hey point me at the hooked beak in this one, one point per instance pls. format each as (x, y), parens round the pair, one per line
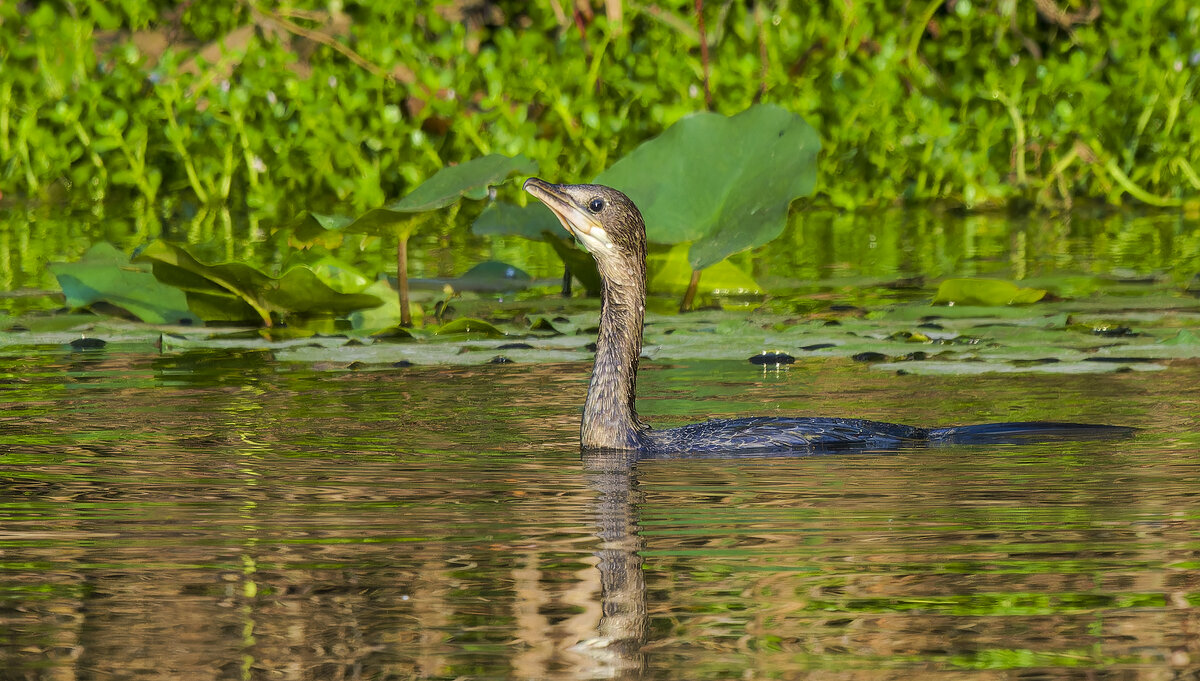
(574, 218)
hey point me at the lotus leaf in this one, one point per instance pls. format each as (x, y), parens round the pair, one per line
(221, 291)
(471, 180)
(670, 272)
(532, 221)
(493, 276)
(536, 222)
(985, 292)
(106, 275)
(723, 184)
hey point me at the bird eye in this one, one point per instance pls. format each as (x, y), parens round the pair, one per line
(596, 205)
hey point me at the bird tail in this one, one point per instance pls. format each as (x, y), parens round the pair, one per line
(1026, 432)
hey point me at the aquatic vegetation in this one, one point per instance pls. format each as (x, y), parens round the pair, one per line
(984, 292)
(399, 219)
(105, 275)
(236, 292)
(256, 105)
(722, 184)
(1140, 326)
(718, 185)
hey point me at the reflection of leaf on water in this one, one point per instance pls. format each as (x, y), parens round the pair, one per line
(670, 272)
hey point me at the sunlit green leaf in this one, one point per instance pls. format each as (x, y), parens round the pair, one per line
(985, 292)
(384, 316)
(668, 271)
(339, 275)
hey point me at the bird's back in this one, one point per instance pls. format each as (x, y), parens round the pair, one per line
(765, 433)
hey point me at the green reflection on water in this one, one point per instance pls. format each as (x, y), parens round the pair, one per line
(817, 245)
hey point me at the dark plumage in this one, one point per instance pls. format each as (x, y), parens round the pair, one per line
(610, 226)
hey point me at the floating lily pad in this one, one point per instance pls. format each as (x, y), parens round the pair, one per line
(973, 368)
(468, 325)
(105, 275)
(723, 184)
(1184, 338)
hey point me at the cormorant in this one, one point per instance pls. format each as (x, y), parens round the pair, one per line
(611, 228)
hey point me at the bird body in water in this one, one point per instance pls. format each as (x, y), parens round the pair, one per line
(611, 228)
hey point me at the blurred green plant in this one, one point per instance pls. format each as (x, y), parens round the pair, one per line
(307, 104)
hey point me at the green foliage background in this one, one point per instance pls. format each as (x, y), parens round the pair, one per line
(309, 104)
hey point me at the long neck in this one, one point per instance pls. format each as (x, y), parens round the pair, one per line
(609, 415)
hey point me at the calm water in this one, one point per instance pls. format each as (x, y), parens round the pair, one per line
(223, 516)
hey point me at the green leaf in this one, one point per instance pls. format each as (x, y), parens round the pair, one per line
(470, 179)
(223, 291)
(670, 272)
(991, 292)
(385, 316)
(339, 275)
(493, 275)
(536, 222)
(533, 221)
(469, 325)
(1184, 337)
(106, 275)
(724, 184)
(311, 227)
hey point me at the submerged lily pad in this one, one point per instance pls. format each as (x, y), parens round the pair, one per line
(105, 275)
(723, 184)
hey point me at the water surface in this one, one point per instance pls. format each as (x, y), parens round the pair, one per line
(220, 515)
